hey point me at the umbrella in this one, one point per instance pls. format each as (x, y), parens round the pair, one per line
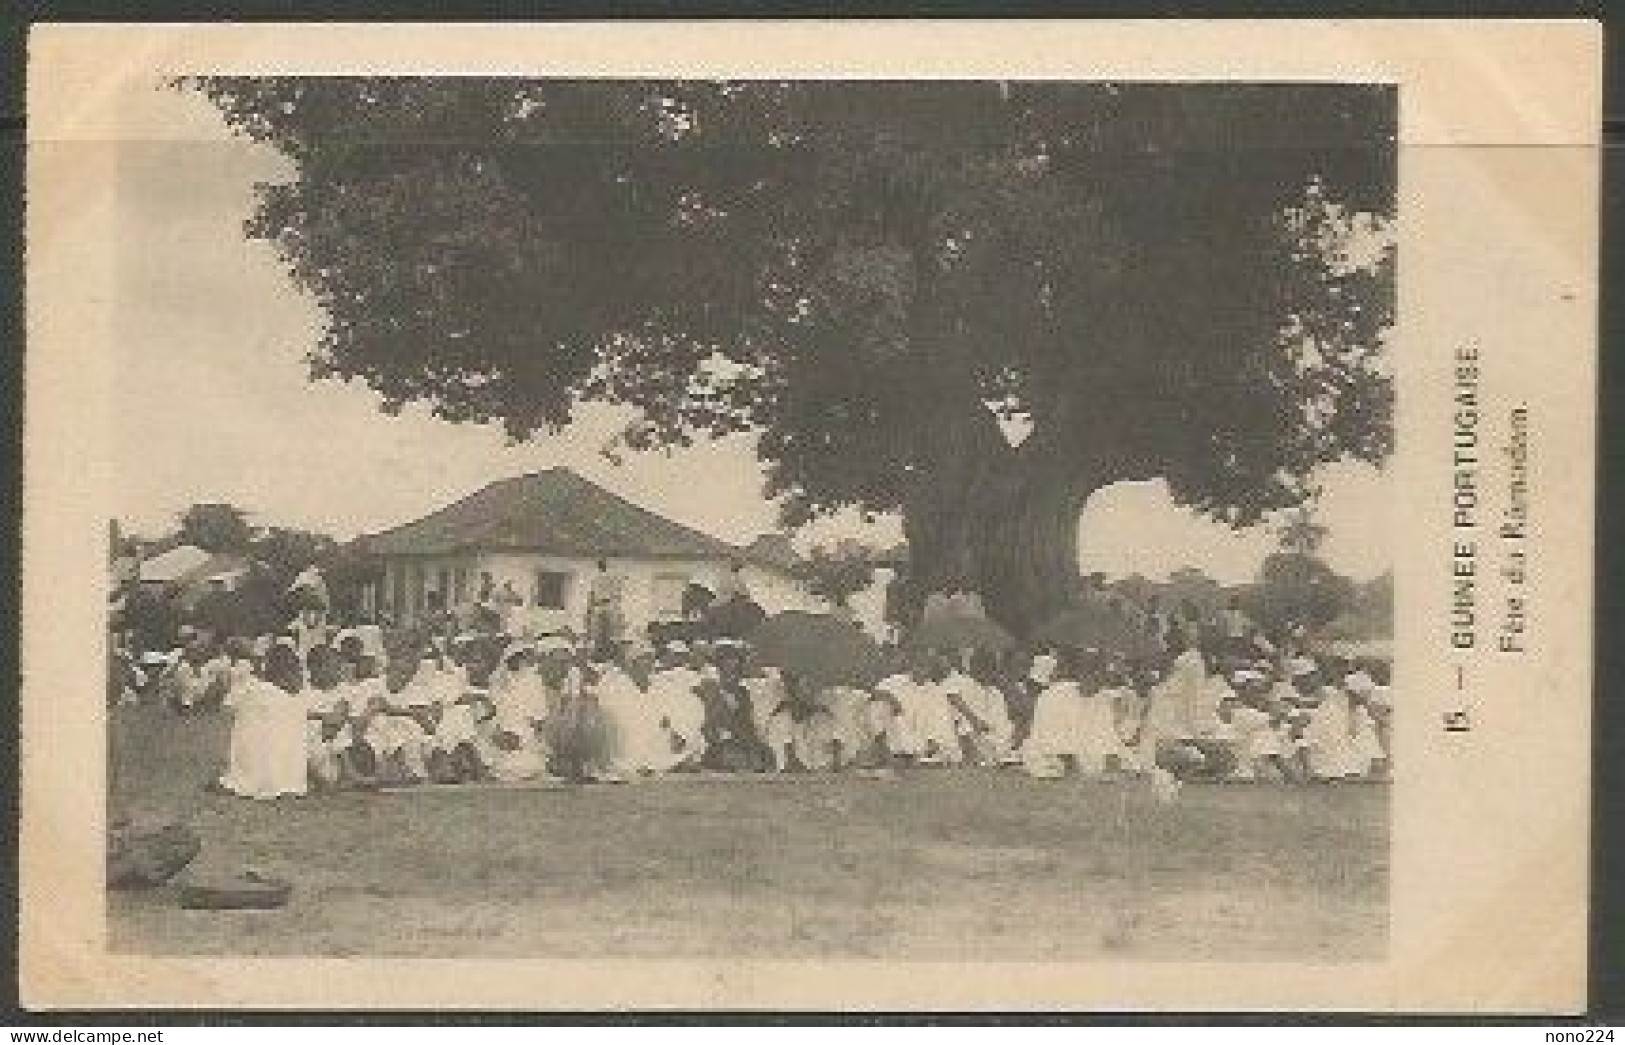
(1094, 626)
(1358, 649)
(961, 632)
(734, 619)
(822, 650)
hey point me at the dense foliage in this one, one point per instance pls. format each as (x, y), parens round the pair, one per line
(1190, 282)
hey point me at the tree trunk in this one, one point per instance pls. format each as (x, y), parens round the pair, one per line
(1008, 528)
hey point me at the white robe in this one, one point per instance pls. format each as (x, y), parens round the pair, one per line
(1336, 737)
(518, 703)
(390, 731)
(674, 691)
(857, 719)
(926, 718)
(323, 702)
(987, 704)
(1066, 721)
(636, 740)
(1172, 710)
(267, 752)
(1257, 738)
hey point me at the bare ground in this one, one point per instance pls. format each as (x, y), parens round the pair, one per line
(940, 864)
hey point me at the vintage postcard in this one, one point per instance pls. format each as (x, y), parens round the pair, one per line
(937, 516)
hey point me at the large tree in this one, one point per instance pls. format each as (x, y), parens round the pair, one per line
(1185, 282)
(216, 527)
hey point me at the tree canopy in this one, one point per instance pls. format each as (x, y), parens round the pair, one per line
(1187, 282)
(216, 527)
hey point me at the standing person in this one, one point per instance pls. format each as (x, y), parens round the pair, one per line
(1021, 696)
(509, 604)
(1380, 705)
(308, 629)
(182, 682)
(732, 585)
(124, 678)
(487, 616)
(266, 758)
(605, 624)
(1369, 749)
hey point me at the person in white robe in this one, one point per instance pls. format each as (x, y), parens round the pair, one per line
(982, 718)
(857, 726)
(1074, 718)
(1380, 703)
(924, 727)
(327, 716)
(398, 731)
(1127, 705)
(366, 696)
(1332, 748)
(1261, 748)
(674, 687)
(512, 743)
(1171, 709)
(181, 682)
(266, 758)
(309, 629)
(769, 699)
(1369, 746)
(637, 744)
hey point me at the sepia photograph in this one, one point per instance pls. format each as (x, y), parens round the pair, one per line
(855, 516)
(716, 518)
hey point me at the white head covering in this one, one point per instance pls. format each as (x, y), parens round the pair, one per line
(1043, 668)
(676, 646)
(1245, 676)
(1297, 667)
(1359, 682)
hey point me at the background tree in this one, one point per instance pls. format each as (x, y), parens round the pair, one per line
(1301, 533)
(286, 552)
(216, 527)
(1185, 282)
(837, 572)
(1297, 590)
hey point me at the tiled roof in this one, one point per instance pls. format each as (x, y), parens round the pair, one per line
(553, 512)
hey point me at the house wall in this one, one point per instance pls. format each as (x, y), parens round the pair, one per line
(775, 591)
(652, 586)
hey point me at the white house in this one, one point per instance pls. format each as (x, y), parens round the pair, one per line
(544, 534)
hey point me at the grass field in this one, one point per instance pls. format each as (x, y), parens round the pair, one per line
(940, 864)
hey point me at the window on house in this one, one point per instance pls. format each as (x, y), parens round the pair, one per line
(666, 598)
(460, 585)
(550, 590)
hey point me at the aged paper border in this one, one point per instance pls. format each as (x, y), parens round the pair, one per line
(1499, 128)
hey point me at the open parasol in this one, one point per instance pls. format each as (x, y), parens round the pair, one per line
(734, 619)
(820, 649)
(961, 632)
(1097, 626)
